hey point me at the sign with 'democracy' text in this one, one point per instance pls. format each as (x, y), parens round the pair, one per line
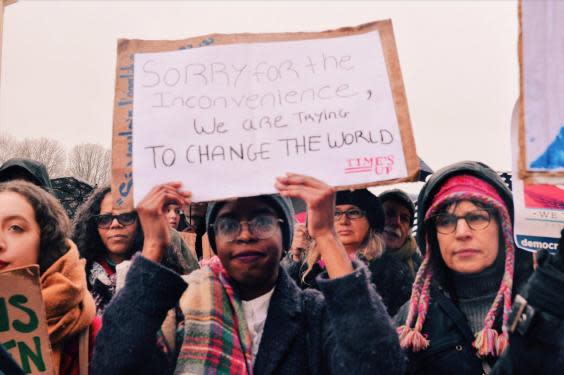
(226, 119)
(23, 322)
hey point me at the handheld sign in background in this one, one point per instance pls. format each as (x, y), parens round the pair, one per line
(226, 120)
(23, 322)
(539, 207)
(541, 63)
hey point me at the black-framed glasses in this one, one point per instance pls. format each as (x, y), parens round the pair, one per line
(351, 214)
(476, 220)
(261, 227)
(104, 221)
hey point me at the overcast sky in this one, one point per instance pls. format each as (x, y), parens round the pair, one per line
(459, 62)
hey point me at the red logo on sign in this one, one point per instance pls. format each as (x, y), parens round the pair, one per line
(379, 165)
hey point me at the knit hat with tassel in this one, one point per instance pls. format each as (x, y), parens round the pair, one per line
(488, 341)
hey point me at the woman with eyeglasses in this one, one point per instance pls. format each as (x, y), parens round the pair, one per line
(34, 229)
(457, 317)
(242, 314)
(359, 221)
(106, 237)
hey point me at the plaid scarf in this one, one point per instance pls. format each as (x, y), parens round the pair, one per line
(216, 337)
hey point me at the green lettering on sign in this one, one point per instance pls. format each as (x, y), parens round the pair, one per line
(4, 322)
(18, 302)
(36, 357)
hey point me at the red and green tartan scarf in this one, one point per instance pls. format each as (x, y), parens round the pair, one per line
(216, 338)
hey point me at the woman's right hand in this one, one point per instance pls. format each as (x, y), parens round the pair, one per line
(152, 216)
(320, 201)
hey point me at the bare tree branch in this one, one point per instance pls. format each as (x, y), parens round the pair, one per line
(90, 162)
(44, 150)
(8, 147)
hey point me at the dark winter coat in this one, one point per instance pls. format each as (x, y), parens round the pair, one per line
(7, 364)
(450, 337)
(296, 271)
(539, 351)
(393, 279)
(344, 329)
(446, 327)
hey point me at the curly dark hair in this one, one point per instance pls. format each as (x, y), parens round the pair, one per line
(49, 215)
(85, 231)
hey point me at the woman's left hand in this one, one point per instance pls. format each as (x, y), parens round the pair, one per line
(320, 200)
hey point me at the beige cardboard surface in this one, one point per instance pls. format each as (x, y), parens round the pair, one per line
(23, 322)
(525, 173)
(122, 178)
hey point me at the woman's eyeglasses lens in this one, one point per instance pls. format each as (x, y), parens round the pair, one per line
(105, 220)
(261, 226)
(476, 220)
(351, 214)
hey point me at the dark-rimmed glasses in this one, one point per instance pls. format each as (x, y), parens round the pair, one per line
(261, 227)
(104, 221)
(476, 220)
(351, 214)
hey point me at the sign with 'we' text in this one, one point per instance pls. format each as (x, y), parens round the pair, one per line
(226, 119)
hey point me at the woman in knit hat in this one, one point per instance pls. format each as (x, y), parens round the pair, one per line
(359, 221)
(242, 314)
(456, 319)
(34, 229)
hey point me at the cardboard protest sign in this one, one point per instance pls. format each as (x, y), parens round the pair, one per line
(539, 207)
(228, 118)
(541, 62)
(23, 322)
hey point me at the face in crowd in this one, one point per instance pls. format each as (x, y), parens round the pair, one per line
(468, 237)
(19, 232)
(173, 212)
(397, 224)
(33, 226)
(116, 229)
(351, 225)
(249, 244)
(196, 216)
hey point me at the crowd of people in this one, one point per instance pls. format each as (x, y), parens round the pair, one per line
(240, 287)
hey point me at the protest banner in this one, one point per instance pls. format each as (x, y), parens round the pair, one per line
(23, 322)
(226, 119)
(539, 207)
(541, 63)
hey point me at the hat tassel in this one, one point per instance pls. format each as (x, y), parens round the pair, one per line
(501, 343)
(410, 338)
(486, 341)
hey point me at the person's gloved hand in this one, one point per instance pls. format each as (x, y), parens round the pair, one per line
(557, 260)
(545, 289)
